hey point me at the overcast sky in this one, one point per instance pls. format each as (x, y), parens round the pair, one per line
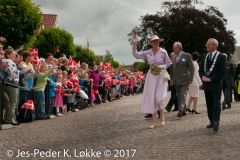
(106, 23)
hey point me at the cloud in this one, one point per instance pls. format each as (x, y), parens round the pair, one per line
(106, 23)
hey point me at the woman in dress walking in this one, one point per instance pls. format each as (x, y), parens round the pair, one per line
(155, 88)
(194, 87)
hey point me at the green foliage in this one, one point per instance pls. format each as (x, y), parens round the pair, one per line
(109, 58)
(20, 20)
(114, 64)
(48, 40)
(85, 55)
(141, 66)
(123, 67)
(186, 21)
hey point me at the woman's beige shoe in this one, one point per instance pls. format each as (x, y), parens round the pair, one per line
(152, 126)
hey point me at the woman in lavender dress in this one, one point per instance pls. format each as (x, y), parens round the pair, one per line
(155, 89)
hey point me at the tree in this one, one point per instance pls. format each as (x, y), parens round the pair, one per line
(85, 55)
(123, 67)
(183, 21)
(48, 40)
(20, 20)
(109, 58)
(141, 66)
(115, 64)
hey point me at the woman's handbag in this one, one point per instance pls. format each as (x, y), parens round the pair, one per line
(166, 75)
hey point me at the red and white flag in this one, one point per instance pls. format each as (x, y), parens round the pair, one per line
(72, 63)
(36, 60)
(108, 64)
(34, 51)
(57, 49)
(88, 45)
(28, 105)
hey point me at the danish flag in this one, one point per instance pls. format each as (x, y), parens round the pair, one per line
(73, 74)
(69, 83)
(58, 49)
(36, 59)
(28, 105)
(60, 91)
(72, 63)
(34, 51)
(76, 88)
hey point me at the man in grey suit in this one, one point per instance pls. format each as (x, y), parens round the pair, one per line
(227, 84)
(181, 74)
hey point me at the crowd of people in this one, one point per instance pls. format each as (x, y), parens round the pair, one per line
(214, 75)
(26, 77)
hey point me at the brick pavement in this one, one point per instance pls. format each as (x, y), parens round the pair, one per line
(119, 125)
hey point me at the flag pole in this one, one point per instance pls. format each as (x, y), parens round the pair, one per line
(87, 45)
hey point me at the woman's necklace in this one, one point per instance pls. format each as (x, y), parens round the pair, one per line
(213, 64)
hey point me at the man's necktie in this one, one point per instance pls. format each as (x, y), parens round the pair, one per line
(177, 58)
(210, 59)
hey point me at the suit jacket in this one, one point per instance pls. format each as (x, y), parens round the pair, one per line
(228, 75)
(237, 72)
(217, 73)
(183, 70)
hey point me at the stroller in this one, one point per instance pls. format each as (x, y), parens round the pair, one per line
(81, 100)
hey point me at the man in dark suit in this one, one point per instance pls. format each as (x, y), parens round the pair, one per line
(236, 80)
(211, 71)
(181, 74)
(173, 100)
(227, 84)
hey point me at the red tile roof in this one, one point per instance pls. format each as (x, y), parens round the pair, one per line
(49, 20)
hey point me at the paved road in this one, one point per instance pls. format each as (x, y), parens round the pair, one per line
(121, 129)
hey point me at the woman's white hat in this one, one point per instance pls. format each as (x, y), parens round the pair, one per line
(154, 37)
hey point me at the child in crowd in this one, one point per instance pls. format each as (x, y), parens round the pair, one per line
(127, 86)
(39, 90)
(113, 87)
(51, 93)
(131, 85)
(65, 98)
(96, 76)
(74, 87)
(104, 91)
(3, 75)
(108, 88)
(58, 100)
(55, 61)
